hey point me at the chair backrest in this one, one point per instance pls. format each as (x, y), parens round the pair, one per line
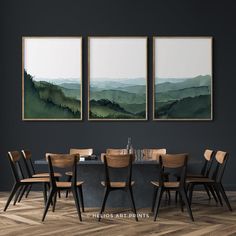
(28, 162)
(82, 152)
(153, 154)
(221, 159)
(116, 151)
(62, 161)
(175, 162)
(206, 168)
(14, 158)
(119, 162)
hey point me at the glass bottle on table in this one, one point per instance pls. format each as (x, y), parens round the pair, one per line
(129, 147)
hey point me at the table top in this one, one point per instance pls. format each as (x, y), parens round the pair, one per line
(99, 162)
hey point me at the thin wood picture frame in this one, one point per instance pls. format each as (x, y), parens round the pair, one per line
(56, 83)
(111, 41)
(206, 92)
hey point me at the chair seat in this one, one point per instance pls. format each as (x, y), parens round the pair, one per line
(117, 184)
(42, 175)
(69, 173)
(195, 176)
(199, 180)
(64, 184)
(167, 184)
(35, 180)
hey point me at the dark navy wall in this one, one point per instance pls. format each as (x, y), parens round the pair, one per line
(124, 17)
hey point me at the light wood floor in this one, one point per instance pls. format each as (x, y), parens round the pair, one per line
(25, 219)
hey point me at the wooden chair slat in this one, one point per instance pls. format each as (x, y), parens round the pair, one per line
(208, 154)
(220, 156)
(26, 154)
(118, 161)
(173, 160)
(14, 155)
(82, 151)
(153, 154)
(62, 160)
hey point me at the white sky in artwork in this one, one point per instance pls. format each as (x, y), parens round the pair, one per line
(182, 58)
(53, 58)
(118, 58)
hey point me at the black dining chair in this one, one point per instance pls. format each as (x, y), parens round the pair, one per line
(204, 173)
(31, 173)
(63, 161)
(19, 180)
(215, 182)
(176, 163)
(112, 163)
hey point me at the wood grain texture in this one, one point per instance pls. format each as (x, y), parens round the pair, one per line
(25, 219)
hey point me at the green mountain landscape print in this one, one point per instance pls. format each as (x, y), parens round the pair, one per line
(183, 98)
(52, 78)
(118, 78)
(119, 99)
(51, 99)
(183, 78)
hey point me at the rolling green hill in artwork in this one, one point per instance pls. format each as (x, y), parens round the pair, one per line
(182, 93)
(187, 99)
(118, 96)
(198, 107)
(110, 110)
(130, 98)
(138, 89)
(198, 81)
(72, 86)
(43, 100)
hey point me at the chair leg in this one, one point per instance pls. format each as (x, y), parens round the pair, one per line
(169, 197)
(221, 188)
(49, 200)
(181, 203)
(176, 197)
(106, 193)
(13, 192)
(45, 193)
(54, 202)
(68, 180)
(154, 198)
(191, 187)
(186, 201)
(28, 191)
(216, 189)
(81, 197)
(132, 201)
(158, 199)
(213, 192)
(22, 192)
(17, 195)
(76, 198)
(207, 191)
(59, 192)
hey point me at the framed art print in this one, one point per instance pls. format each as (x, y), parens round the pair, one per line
(117, 78)
(52, 78)
(182, 78)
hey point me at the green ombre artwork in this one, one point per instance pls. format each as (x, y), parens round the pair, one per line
(182, 78)
(117, 78)
(52, 78)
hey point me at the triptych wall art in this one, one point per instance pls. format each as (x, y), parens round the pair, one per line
(117, 78)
